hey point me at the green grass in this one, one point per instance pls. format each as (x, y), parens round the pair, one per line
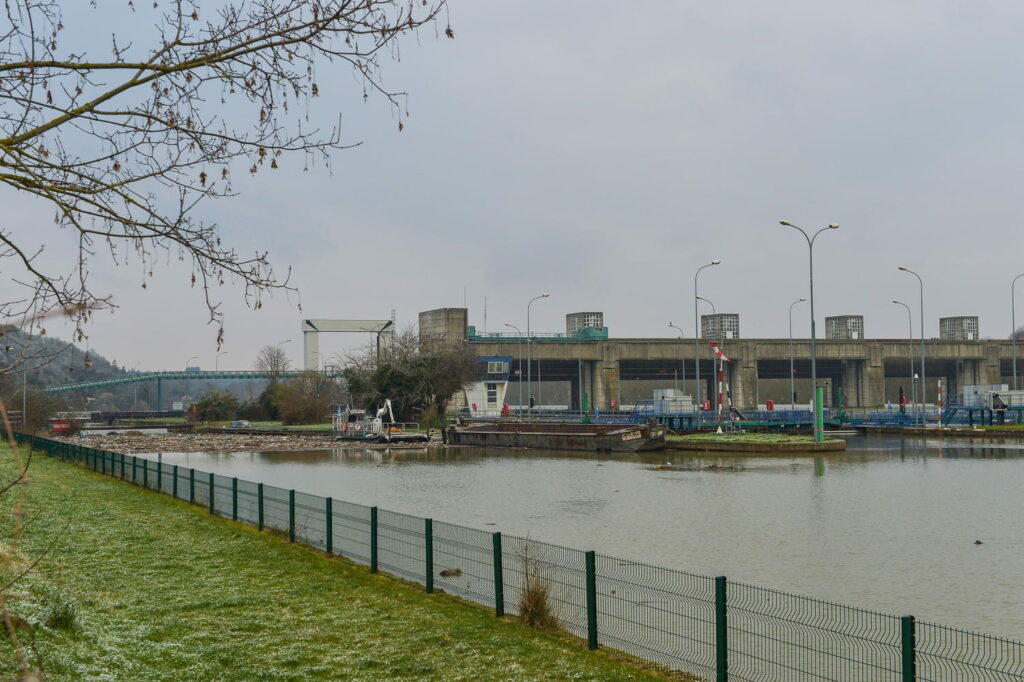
(742, 438)
(142, 587)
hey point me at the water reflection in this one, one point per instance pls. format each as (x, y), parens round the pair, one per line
(889, 525)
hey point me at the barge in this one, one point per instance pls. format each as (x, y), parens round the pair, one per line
(559, 436)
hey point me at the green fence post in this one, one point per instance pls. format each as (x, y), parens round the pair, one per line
(234, 498)
(291, 516)
(213, 508)
(721, 631)
(908, 640)
(259, 506)
(135, 465)
(159, 476)
(145, 473)
(329, 524)
(373, 539)
(428, 546)
(591, 600)
(122, 466)
(174, 484)
(191, 486)
(499, 581)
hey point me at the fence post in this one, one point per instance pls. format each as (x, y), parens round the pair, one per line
(234, 498)
(135, 468)
(908, 640)
(122, 466)
(721, 631)
(373, 539)
(291, 516)
(145, 473)
(428, 560)
(591, 600)
(499, 581)
(191, 486)
(329, 524)
(174, 485)
(259, 506)
(212, 496)
(159, 476)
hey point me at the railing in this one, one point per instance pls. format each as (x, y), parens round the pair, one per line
(702, 625)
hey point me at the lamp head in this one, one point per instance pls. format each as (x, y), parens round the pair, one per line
(902, 268)
(544, 295)
(833, 226)
(786, 223)
(895, 301)
(802, 298)
(715, 262)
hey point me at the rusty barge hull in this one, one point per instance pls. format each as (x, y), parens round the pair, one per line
(560, 436)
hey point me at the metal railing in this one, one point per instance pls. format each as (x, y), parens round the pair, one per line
(702, 625)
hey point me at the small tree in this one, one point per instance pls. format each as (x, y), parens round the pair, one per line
(308, 398)
(217, 406)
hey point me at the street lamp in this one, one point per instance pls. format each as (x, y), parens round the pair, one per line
(714, 361)
(519, 379)
(681, 360)
(529, 358)
(194, 357)
(818, 435)
(696, 339)
(216, 361)
(792, 389)
(1013, 323)
(924, 384)
(910, 349)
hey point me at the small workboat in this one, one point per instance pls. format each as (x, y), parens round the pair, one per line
(559, 436)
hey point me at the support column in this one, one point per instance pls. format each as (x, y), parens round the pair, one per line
(991, 368)
(872, 388)
(606, 388)
(744, 378)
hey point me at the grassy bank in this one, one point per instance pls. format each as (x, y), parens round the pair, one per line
(140, 586)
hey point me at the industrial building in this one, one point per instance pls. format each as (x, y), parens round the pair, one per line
(574, 322)
(720, 326)
(959, 328)
(844, 327)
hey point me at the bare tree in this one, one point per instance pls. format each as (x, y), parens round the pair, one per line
(124, 146)
(272, 361)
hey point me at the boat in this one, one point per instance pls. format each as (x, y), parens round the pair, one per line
(559, 436)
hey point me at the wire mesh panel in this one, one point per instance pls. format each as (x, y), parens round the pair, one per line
(183, 483)
(275, 508)
(310, 520)
(401, 548)
(248, 502)
(202, 490)
(774, 635)
(133, 469)
(463, 562)
(657, 614)
(350, 527)
(537, 572)
(166, 478)
(222, 497)
(945, 653)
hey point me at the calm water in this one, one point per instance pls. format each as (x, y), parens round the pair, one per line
(891, 525)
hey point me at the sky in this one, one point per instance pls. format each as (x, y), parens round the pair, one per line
(603, 152)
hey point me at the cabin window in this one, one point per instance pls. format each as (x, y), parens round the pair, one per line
(497, 367)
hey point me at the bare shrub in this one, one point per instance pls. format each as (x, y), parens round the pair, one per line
(536, 606)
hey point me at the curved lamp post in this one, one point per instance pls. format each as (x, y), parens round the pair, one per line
(681, 360)
(519, 379)
(924, 385)
(910, 347)
(696, 340)
(1013, 323)
(529, 358)
(792, 389)
(818, 436)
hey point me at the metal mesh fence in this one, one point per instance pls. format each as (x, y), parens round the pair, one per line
(945, 653)
(774, 635)
(657, 614)
(697, 624)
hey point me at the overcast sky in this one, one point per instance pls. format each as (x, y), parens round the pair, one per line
(603, 151)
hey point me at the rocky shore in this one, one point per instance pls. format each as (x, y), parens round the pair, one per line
(135, 442)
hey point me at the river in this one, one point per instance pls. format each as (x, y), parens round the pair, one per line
(891, 525)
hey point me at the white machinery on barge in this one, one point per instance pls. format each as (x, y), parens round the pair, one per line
(357, 425)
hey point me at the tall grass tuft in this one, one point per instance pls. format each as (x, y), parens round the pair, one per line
(536, 607)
